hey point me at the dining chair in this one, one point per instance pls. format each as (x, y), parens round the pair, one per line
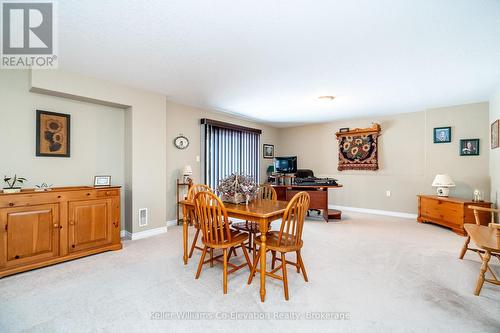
(216, 233)
(267, 192)
(287, 239)
(487, 239)
(193, 190)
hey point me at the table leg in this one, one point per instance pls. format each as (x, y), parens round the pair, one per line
(185, 234)
(263, 229)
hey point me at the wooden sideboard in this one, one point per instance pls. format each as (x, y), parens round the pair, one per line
(43, 228)
(450, 212)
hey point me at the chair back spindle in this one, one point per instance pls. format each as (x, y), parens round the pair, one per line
(267, 192)
(212, 216)
(290, 233)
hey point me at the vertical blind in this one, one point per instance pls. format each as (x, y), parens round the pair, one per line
(229, 149)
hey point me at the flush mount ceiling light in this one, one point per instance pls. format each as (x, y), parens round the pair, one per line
(326, 98)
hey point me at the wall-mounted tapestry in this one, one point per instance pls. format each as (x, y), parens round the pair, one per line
(358, 148)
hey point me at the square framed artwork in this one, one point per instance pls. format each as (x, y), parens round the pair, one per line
(442, 134)
(53, 132)
(344, 129)
(495, 134)
(469, 147)
(268, 151)
(102, 181)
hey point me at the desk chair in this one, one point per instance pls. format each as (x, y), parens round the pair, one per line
(287, 239)
(214, 224)
(306, 173)
(487, 239)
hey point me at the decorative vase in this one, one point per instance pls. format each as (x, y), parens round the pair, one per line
(12, 190)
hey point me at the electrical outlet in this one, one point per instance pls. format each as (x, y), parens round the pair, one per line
(388, 193)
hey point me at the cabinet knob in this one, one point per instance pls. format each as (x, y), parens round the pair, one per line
(56, 225)
(11, 204)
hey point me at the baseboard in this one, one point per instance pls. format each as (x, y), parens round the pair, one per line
(143, 234)
(147, 233)
(375, 211)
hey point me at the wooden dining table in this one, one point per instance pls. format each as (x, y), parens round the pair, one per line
(261, 211)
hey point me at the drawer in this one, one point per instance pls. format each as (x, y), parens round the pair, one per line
(107, 193)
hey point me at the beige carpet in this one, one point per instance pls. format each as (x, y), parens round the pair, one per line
(379, 274)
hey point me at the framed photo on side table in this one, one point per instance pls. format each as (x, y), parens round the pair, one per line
(268, 151)
(495, 134)
(102, 181)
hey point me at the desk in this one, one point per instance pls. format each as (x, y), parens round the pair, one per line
(260, 211)
(318, 194)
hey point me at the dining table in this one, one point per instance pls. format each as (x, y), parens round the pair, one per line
(261, 211)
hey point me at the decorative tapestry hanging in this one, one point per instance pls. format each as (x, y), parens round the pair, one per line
(358, 148)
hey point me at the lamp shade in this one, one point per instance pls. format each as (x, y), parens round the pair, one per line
(443, 181)
(187, 171)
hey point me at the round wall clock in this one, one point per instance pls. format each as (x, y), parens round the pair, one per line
(181, 142)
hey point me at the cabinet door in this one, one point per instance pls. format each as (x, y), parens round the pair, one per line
(90, 224)
(28, 234)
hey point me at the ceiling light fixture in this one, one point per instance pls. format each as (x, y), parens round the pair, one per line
(329, 98)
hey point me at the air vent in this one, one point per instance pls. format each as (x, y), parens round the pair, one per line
(143, 217)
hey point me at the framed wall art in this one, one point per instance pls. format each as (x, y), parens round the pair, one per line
(442, 135)
(469, 147)
(52, 134)
(495, 131)
(268, 151)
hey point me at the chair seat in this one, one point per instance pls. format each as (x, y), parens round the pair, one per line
(287, 242)
(483, 236)
(236, 238)
(247, 226)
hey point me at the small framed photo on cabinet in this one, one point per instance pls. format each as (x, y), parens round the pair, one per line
(102, 181)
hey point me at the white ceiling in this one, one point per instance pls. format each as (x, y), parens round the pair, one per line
(270, 60)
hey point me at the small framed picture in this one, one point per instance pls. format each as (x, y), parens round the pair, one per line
(52, 134)
(268, 151)
(442, 134)
(495, 131)
(102, 181)
(469, 147)
(344, 129)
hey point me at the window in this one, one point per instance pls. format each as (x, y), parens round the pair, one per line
(229, 149)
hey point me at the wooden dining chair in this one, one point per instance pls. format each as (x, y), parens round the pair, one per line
(267, 192)
(193, 190)
(287, 239)
(487, 239)
(216, 233)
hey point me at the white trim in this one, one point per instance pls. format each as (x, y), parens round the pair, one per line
(171, 223)
(143, 234)
(375, 211)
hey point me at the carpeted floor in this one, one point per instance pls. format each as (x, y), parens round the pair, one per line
(367, 274)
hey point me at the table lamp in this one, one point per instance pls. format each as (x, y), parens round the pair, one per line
(187, 172)
(443, 184)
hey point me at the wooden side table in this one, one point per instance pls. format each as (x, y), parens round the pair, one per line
(179, 187)
(450, 212)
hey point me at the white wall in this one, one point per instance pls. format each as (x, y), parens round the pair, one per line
(145, 128)
(97, 137)
(495, 153)
(408, 159)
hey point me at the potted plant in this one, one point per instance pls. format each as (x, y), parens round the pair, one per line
(11, 182)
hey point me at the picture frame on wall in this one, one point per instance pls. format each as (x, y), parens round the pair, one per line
(102, 181)
(268, 151)
(442, 134)
(53, 134)
(344, 130)
(495, 134)
(469, 147)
